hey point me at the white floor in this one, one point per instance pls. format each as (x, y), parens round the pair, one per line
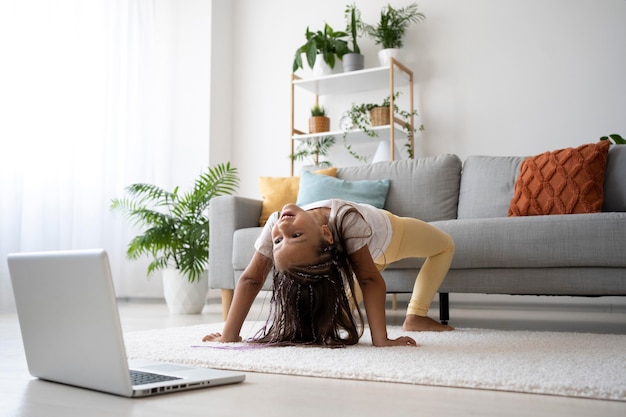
(276, 395)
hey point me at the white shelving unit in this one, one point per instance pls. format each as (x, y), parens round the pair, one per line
(394, 76)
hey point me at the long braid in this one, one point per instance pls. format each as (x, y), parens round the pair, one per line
(325, 317)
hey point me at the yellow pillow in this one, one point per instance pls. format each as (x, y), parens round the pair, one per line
(278, 191)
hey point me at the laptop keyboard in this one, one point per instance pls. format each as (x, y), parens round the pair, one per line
(142, 378)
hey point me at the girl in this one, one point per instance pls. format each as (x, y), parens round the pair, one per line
(315, 252)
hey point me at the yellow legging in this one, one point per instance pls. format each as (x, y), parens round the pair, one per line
(413, 238)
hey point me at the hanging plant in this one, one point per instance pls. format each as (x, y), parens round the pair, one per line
(359, 118)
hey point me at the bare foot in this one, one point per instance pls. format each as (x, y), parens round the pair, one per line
(217, 337)
(213, 337)
(414, 323)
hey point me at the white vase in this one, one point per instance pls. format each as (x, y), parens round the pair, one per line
(322, 69)
(384, 56)
(182, 296)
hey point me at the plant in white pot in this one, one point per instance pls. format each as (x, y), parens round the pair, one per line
(390, 30)
(354, 59)
(176, 233)
(322, 50)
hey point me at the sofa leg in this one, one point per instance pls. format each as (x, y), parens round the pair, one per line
(227, 299)
(444, 307)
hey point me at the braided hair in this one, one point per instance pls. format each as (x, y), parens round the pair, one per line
(310, 303)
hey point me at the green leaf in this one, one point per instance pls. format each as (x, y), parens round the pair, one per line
(176, 226)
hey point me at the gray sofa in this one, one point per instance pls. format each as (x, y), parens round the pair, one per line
(573, 254)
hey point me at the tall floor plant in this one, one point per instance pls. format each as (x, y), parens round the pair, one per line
(175, 224)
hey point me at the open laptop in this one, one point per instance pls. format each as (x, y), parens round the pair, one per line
(72, 334)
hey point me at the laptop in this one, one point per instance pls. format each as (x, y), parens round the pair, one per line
(72, 334)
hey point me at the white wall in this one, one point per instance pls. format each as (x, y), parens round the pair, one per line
(493, 77)
(221, 81)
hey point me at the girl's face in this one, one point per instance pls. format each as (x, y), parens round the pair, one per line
(297, 236)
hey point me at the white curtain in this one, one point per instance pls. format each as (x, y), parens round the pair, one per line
(83, 113)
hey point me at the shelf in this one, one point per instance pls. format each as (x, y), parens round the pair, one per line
(355, 136)
(389, 77)
(353, 82)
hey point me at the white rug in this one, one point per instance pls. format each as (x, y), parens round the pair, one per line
(567, 364)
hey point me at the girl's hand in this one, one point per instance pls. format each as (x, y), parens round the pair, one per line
(401, 341)
(217, 337)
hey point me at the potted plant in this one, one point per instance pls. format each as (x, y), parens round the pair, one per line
(314, 148)
(176, 233)
(615, 139)
(366, 115)
(322, 48)
(391, 28)
(354, 59)
(318, 122)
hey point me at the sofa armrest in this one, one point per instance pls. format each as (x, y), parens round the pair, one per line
(227, 214)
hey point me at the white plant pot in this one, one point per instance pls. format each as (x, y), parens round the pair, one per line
(322, 69)
(182, 296)
(384, 56)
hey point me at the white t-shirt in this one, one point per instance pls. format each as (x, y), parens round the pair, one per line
(373, 229)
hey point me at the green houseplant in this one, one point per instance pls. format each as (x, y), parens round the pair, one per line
(328, 44)
(318, 122)
(391, 27)
(354, 59)
(314, 148)
(176, 225)
(615, 139)
(176, 232)
(359, 117)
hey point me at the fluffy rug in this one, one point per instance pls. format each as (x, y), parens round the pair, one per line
(567, 364)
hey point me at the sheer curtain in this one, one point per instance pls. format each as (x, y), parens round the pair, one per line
(83, 113)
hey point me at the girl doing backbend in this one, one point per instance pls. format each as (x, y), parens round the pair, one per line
(316, 253)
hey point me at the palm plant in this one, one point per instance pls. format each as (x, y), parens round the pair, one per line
(314, 148)
(176, 224)
(393, 23)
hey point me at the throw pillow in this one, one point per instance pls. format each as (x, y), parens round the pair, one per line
(564, 181)
(278, 191)
(314, 187)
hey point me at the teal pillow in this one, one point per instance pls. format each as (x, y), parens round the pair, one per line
(316, 187)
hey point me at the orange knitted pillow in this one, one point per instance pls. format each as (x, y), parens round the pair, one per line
(564, 181)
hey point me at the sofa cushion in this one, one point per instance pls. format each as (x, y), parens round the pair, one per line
(560, 240)
(278, 191)
(564, 181)
(316, 187)
(426, 188)
(243, 246)
(487, 186)
(615, 179)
